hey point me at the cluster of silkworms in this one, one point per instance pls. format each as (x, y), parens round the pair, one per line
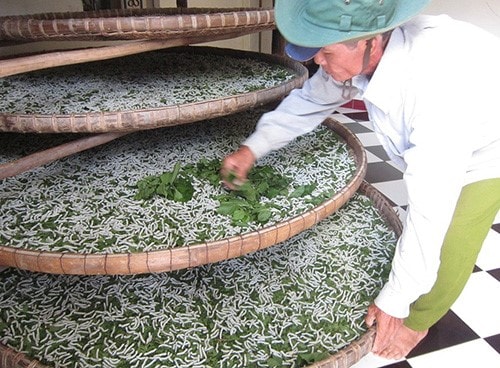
(148, 80)
(85, 203)
(279, 307)
(284, 306)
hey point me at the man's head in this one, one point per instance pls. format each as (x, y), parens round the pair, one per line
(345, 60)
(309, 25)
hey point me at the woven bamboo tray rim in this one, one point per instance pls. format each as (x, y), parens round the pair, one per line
(127, 24)
(344, 358)
(128, 121)
(10, 358)
(357, 349)
(176, 258)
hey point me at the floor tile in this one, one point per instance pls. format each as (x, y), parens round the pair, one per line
(368, 139)
(379, 151)
(345, 110)
(394, 190)
(479, 304)
(496, 227)
(401, 364)
(473, 354)
(381, 172)
(393, 164)
(359, 116)
(495, 273)
(373, 361)
(343, 119)
(489, 257)
(370, 157)
(356, 104)
(494, 342)
(448, 331)
(357, 128)
(367, 124)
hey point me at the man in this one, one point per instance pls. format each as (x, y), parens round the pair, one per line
(423, 80)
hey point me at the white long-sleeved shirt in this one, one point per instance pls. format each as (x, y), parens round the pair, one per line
(432, 102)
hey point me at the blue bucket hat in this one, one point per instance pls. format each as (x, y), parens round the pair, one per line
(309, 25)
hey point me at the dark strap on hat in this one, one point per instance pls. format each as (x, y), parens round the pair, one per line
(347, 84)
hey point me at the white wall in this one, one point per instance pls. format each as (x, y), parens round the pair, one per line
(21, 7)
(484, 13)
(256, 42)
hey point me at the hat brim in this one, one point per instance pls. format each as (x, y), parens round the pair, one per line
(291, 22)
(301, 53)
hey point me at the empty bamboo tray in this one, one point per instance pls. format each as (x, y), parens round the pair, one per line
(135, 30)
(134, 24)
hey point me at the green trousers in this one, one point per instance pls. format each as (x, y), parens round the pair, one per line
(474, 214)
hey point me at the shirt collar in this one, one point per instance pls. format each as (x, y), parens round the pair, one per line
(381, 89)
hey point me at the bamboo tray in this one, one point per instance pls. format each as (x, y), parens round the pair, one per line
(191, 255)
(112, 125)
(151, 118)
(133, 24)
(352, 353)
(344, 358)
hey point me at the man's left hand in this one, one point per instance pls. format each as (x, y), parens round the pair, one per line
(393, 339)
(387, 327)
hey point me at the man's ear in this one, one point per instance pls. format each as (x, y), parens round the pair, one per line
(377, 43)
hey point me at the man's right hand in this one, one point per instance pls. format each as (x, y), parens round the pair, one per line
(237, 165)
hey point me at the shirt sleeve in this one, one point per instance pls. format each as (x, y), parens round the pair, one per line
(439, 151)
(299, 113)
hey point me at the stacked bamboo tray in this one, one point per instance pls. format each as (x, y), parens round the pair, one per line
(143, 31)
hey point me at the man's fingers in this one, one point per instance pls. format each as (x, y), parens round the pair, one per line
(236, 166)
(369, 321)
(232, 177)
(378, 343)
(370, 317)
(383, 322)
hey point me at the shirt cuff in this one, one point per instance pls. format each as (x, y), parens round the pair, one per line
(257, 145)
(392, 303)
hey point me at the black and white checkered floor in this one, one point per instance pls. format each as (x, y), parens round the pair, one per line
(469, 335)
